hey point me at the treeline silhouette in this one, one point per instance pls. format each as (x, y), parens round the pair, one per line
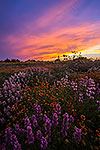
(15, 60)
(10, 60)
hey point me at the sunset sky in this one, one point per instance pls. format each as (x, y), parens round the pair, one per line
(44, 29)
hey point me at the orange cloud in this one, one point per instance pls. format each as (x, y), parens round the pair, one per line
(47, 45)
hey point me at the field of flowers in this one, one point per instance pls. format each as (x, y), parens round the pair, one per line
(39, 111)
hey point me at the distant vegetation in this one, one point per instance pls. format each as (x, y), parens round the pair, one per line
(10, 60)
(15, 61)
(64, 58)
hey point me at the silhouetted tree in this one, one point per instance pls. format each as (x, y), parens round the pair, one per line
(33, 60)
(57, 60)
(65, 57)
(7, 60)
(17, 60)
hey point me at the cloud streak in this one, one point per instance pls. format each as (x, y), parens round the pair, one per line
(55, 14)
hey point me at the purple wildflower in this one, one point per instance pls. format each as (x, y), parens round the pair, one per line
(27, 122)
(91, 88)
(4, 103)
(35, 124)
(8, 133)
(2, 120)
(17, 129)
(44, 143)
(48, 128)
(55, 120)
(17, 146)
(23, 131)
(74, 86)
(65, 125)
(45, 117)
(3, 146)
(77, 135)
(71, 119)
(38, 111)
(38, 135)
(98, 102)
(80, 98)
(14, 142)
(99, 108)
(13, 139)
(30, 136)
(58, 108)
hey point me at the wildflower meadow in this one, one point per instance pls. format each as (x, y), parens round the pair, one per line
(40, 111)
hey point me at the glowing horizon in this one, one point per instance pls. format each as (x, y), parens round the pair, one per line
(45, 29)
